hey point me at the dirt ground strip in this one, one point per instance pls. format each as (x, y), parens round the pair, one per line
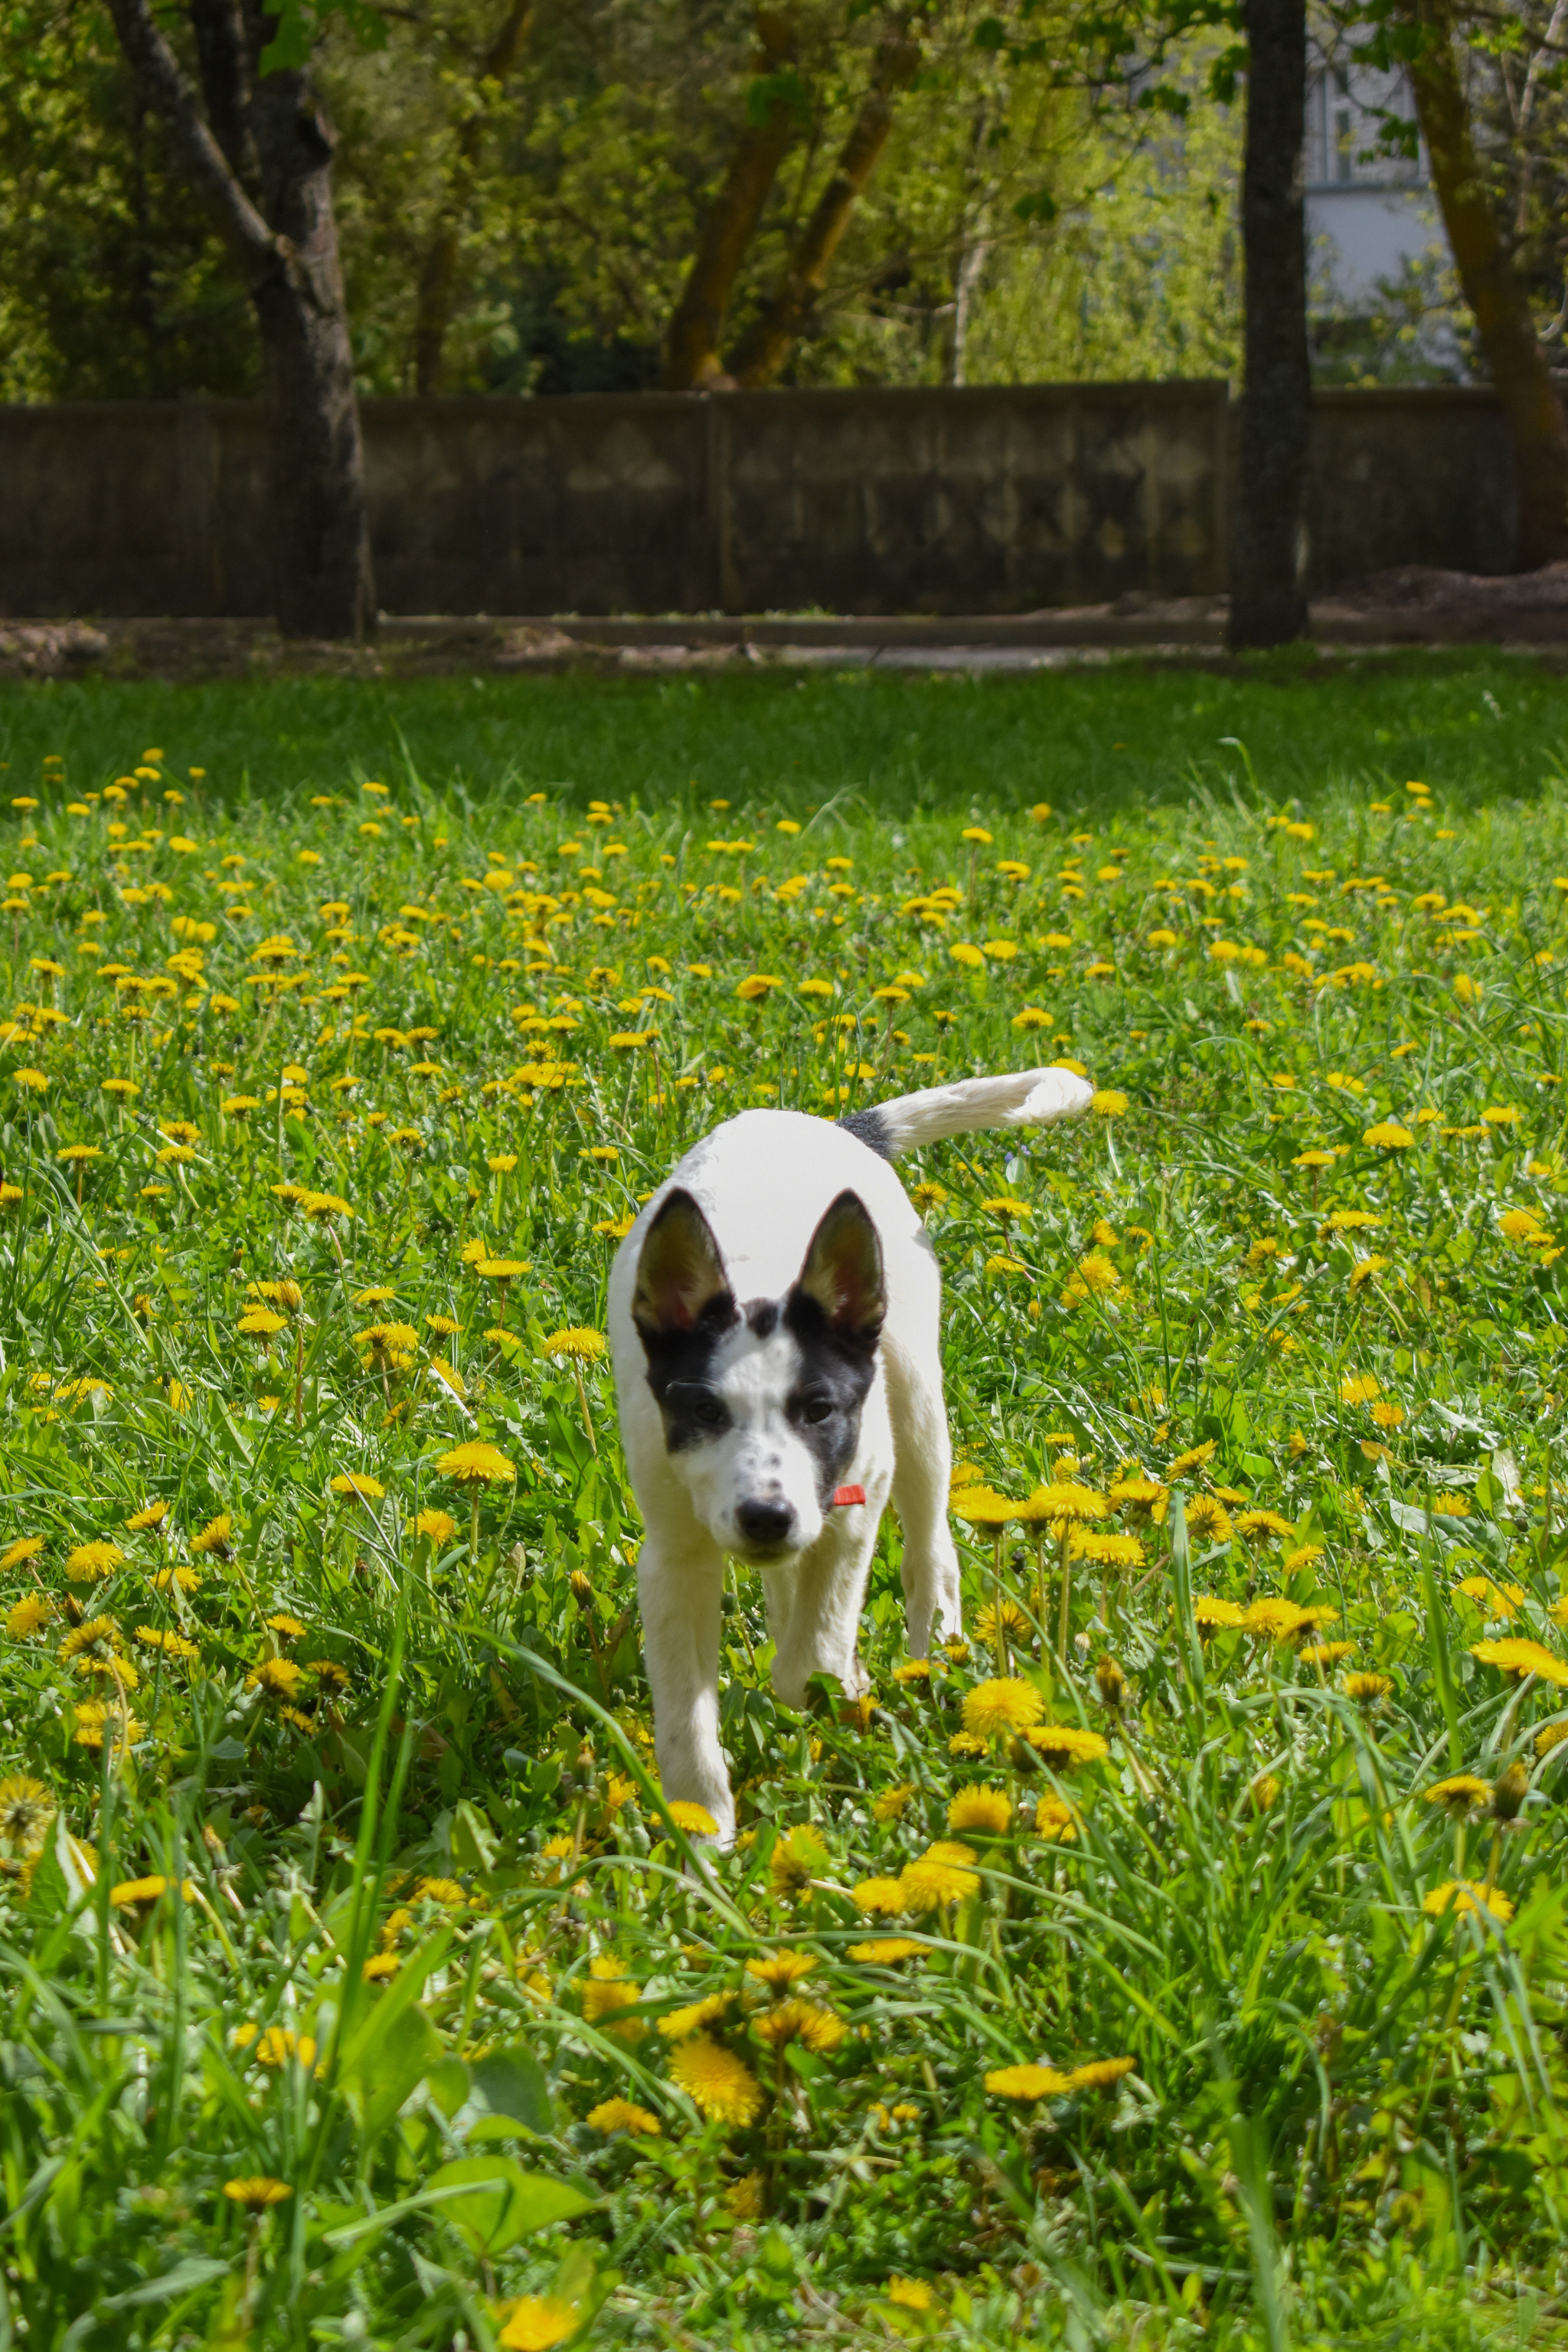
(1412, 606)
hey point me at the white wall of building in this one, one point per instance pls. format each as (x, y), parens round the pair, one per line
(1369, 215)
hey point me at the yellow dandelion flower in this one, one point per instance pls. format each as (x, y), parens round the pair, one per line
(279, 2044)
(257, 2190)
(1461, 1895)
(174, 1646)
(621, 2114)
(1276, 1618)
(1005, 1705)
(27, 1616)
(887, 1951)
(94, 1633)
(1326, 1653)
(720, 2086)
(131, 1891)
(890, 1804)
(680, 2023)
(89, 1562)
(989, 1811)
(537, 2323)
(695, 1820)
(607, 1992)
(576, 1345)
(797, 1859)
(1026, 2083)
(1099, 1550)
(358, 1483)
(95, 1722)
(1519, 1657)
(1095, 1277)
(1100, 2073)
(782, 1968)
(937, 1877)
(1063, 1745)
(277, 1678)
(1061, 1503)
(806, 2021)
(1366, 1690)
(1208, 1519)
(1460, 1793)
(26, 1809)
(979, 1507)
(476, 1464)
(1007, 1619)
(878, 1895)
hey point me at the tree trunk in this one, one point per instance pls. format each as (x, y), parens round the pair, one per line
(691, 358)
(438, 273)
(1267, 556)
(260, 160)
(1513, 355)
(968, 268)
(764, 347)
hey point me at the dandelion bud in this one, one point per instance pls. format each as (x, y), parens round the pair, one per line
(1111, 1681)
(582, 1591)
(1508, 1792)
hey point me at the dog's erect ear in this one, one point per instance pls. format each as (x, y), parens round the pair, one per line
(843, 1270)
(680, 1275)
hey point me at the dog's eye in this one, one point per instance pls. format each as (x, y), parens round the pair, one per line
(816, 1409)
(700, 1404)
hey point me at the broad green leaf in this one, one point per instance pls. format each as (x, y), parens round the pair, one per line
(391, 2067)
(502, 2203)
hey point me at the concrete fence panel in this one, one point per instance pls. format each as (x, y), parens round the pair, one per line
(994, 500)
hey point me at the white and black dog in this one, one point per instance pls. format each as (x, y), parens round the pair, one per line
(775, 1322)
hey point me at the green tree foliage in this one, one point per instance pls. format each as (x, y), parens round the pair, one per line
(110, 287)
(1022, 222)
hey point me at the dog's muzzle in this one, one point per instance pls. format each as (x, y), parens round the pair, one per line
(767, 1527)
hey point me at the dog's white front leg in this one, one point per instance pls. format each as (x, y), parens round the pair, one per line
(820, 1634)
(922, 1470)
(680, 1587)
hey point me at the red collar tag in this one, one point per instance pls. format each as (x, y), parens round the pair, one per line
(848, 1494)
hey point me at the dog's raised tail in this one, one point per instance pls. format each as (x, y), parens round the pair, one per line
(1023, 1099)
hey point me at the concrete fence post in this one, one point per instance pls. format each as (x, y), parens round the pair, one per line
(196, 477)
(721, 511)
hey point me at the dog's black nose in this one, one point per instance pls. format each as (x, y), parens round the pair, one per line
(765, 1523)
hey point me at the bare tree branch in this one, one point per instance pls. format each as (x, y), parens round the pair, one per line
(251, 243)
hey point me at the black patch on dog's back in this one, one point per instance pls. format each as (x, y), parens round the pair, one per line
(869, 1127)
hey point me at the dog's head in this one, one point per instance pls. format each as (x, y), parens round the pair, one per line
(762, 1401)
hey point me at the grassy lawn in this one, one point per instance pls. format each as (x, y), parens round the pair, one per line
(1183, 1958)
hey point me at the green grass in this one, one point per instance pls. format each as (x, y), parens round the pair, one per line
(421, 1833)
(1087, 738)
